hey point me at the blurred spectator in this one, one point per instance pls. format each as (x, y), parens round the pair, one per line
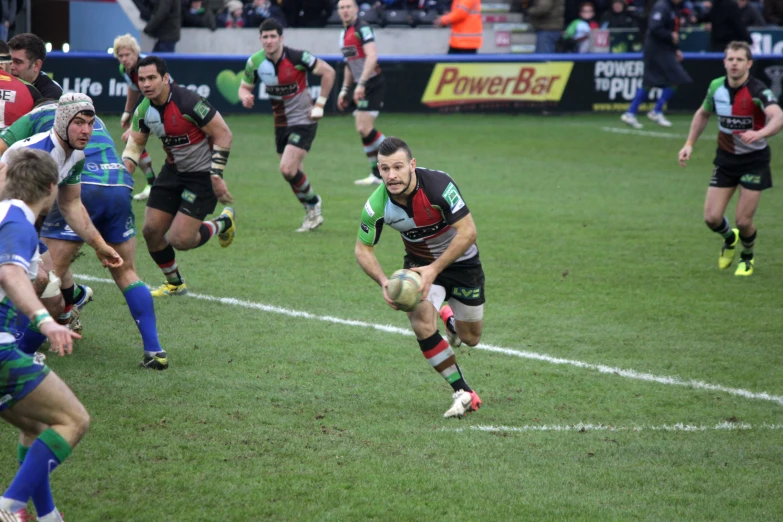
(467, 27)
(726, 21)
(773, 12)
(546, 16)
(7, 17)
(165, 25)
(579, 30)
(145, 8)
(751, 17)
(313, 13)
(618, 17)
(232, 15)
(193, 13)
(260, 10)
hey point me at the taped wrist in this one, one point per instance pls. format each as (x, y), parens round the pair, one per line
(219, 160)
(132, 151)
(40, 317)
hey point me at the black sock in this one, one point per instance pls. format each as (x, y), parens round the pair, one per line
(724, 229)
(747, 245)
(68, 295)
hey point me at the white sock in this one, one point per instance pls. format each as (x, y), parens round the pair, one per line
(54, 516)
(11, 505)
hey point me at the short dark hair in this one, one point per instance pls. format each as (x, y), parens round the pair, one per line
(32, 45)
(30, 176)
(739, 46)
(270, 24)
(157, 61)
(391, 145)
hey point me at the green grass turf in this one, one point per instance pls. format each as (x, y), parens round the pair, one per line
(594, 250)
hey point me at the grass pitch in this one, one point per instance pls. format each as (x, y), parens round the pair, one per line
(595, 252)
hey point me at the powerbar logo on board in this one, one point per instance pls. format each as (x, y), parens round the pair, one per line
(466, 83)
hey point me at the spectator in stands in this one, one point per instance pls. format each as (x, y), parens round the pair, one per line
(467, 27)
(751, 17)
(546, 16)
(579, 30)
(193, 13)
(145, 8)
(165, 25)
(773, 12)
(7, 17)
(260, 10)
(314, 13)
(618, 17)
(726, 21)
(232, 15)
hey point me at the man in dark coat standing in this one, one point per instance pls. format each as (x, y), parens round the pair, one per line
(727, 26)
(662, 67)
(165, 25)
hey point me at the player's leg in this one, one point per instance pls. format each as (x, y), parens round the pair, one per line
(47, 287)
(42, 406)
(162, 205)
(371, 140)
(722, 187)
(629, 118)
(439, 354)
(63, 252)
(752, 183)
(145, 164)
(296, 143)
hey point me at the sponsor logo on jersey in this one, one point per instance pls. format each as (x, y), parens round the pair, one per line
(175, 141)
(466, 293)
(129, 223)
(282, 90)
(468, 83)
(308, 59)
(188, 196)
(454, 198)
(424, 232)
(97, 167)
(201, 109)
(368, 208)
(771, 98)
(734, 123)
(7, 95)
(13, 258)
(366, 32)
(365, 228)
(5, 398)
(350, 51)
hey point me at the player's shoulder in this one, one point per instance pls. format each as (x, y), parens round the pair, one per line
(256, 58)
(41, 141)
(759, 89)
(375, 204)
(364, 29)
(433, 175)
(16, 216)
(716, 84)
(184, 96)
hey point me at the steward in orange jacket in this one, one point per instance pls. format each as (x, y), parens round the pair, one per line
(466, 26)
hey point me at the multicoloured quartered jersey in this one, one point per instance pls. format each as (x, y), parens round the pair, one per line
(18, 246)
(286, 84)
(69, 167)
(352, 40)
(425, 224)
(178, 124)
(739, 110)
(102, 163)
(131, 76)
(16, 99)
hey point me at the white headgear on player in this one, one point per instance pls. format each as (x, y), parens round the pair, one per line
(69, 106)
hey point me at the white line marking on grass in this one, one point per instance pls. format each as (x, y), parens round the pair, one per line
(581, 427)
(524, 354)
(633, 132)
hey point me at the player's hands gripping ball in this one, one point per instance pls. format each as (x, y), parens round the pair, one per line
(403, 289)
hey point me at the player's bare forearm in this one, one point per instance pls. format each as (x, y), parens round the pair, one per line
(774, 121)
(218, 130)
(698, 124)
(371, 61)
(365, 255)
(19, 289)
(465, 236)
(133, 149)
(326, 72)
(70, 202)
(131, 99)
(245, 90)
(348, 77)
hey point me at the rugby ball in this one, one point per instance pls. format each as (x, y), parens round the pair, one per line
(403, 289)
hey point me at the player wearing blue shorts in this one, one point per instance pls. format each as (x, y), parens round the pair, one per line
(32, 397)
(65, 143)
(106, 193)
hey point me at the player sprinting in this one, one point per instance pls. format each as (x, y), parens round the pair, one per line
(283, 71)
(364, 77)
(50, 418)
(65, 143)
(748, 114)
(190, 183)
(106, 194)
(128, 52)
(18, 96)
(439, 235)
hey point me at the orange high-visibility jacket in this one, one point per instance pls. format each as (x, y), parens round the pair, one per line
(466, 25)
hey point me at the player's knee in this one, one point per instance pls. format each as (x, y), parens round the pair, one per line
(150, 232)
(41, 280)
(288, 171)
(363, 128)
(712, 219)
(744, 223)
(180, 242)
(471, 339)
(79, 420)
